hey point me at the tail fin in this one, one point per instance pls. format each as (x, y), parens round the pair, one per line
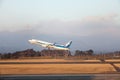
(68, 44)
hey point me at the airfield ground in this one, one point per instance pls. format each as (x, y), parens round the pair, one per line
(85, 66)
(48, 60)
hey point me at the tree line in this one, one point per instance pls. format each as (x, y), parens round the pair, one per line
(88, 54)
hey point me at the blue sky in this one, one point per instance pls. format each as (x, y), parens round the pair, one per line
(91, 24)
(58, 9)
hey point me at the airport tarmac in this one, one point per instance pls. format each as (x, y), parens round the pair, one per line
(59, 62)
(62, 77)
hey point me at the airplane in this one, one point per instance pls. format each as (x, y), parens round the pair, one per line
(51, 45)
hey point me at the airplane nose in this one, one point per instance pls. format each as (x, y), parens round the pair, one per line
(30, 41)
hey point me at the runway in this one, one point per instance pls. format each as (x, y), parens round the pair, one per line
(58, 66)
(59, 62)
(62, 77)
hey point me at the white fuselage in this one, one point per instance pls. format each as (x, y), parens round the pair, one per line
(48, 45)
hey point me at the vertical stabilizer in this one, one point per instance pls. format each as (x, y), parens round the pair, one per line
(68, 44)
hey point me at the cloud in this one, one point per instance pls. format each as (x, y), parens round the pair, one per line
(108, 17)
(88, 26)
(93, 25)
(106, 24)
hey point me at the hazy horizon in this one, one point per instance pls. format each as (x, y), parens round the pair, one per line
(89, 24)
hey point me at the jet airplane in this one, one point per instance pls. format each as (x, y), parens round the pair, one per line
(51, 45)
